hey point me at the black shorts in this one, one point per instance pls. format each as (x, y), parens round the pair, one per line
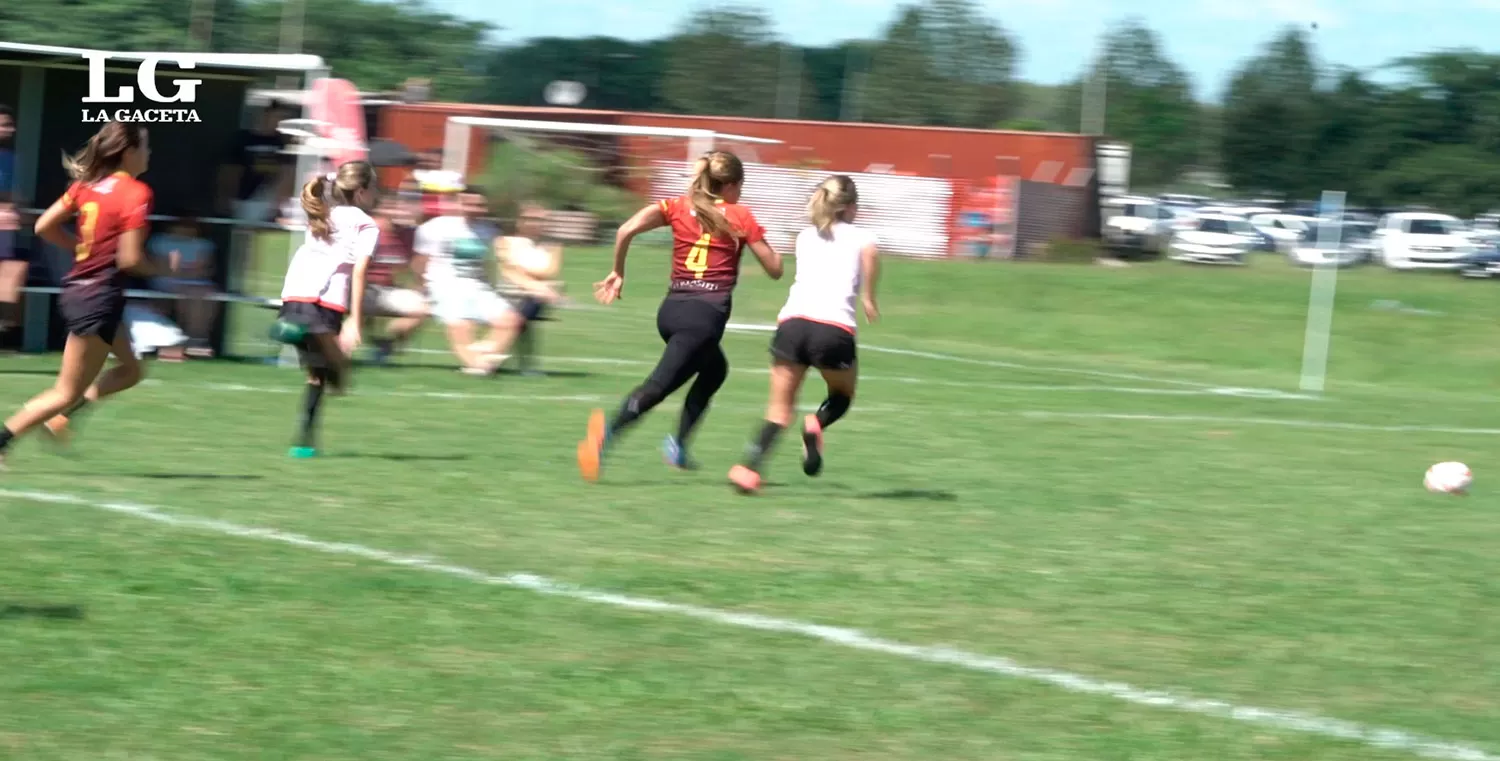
(317, 319)
(93, 307)
(814, 344)
(9, 250)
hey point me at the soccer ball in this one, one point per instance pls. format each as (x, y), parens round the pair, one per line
(1448, 478)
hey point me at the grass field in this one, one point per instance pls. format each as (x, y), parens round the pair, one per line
(1054, 472)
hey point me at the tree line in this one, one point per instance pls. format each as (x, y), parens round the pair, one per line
(1288, 124)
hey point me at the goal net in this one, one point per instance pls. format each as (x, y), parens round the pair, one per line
(594, 176)
(586, 174)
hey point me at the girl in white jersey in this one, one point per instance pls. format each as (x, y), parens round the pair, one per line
(836, 261)
(325, 284)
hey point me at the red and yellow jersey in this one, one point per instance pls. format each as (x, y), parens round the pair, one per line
(703, 263)
(106, 209)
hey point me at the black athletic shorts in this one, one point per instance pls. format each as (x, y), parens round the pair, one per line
(318, 320)
(93, 307)
(532, 309)
(814, 344)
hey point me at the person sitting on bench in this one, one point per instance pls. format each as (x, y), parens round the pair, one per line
(187, 260)
(527, 265)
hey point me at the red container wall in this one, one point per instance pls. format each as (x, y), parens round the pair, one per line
(835, 146)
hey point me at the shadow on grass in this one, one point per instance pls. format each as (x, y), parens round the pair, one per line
(398, 456)
(55, 612)
(911, 495)
(199, 477)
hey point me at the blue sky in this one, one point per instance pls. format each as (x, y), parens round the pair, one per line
(1207, 37)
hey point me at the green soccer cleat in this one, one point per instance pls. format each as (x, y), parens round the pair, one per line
(302, 453)
(290, 333)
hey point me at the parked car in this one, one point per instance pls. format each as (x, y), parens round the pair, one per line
(1213, 239)
(1136, 224)
(1281, 232)
(1483, 263)
(1345, 245)
(1423, 240)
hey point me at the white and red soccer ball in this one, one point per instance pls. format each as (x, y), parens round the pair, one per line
(1448, 478)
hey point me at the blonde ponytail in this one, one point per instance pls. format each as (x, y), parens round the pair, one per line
(831, 202)
(339, 187)
(711, 174)
(315, 206)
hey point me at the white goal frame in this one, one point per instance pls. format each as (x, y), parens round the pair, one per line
(458, 135)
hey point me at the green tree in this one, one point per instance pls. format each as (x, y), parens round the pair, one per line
(943, 62)
(1271, 117)
(618, 74)
(724, 61)
(1148, 103)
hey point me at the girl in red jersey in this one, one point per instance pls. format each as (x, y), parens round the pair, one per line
(836, 261)
(111, 206)
(710, 230)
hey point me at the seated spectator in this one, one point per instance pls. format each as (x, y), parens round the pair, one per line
(456, 250)
(527, 268)
(188, 261)
(394, 257)
(13, 267)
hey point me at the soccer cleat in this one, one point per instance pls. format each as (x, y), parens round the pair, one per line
(744, 480)
(57, 430)
(812, 445)
(385, 348)
(303, 453)
(675, 454)
(591, 449)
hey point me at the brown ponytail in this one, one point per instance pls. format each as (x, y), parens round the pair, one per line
(105, 152)
(321, 194)
(711, 174)
(830, 202)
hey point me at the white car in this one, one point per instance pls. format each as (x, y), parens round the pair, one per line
(1423, 240)
(1355, 245)
(1138, 224)
(1214, 239)
(1282, 231)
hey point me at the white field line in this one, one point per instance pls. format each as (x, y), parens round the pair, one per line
(886, 409)
(1378, 737)
(1037, 387)
(1286, 422)
(753, 328)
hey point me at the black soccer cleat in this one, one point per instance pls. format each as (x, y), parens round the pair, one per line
(812, 445)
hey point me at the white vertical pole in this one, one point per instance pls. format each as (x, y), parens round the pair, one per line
(456, 139)
(1320, 299)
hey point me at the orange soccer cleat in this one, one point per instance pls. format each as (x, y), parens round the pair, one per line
(57, 429)
(744, 480)
(591, 449)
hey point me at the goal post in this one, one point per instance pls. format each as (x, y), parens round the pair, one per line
(1321, 294)
(587, 174)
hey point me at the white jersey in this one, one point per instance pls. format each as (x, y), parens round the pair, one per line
(828, 275)
(320, 271)
(456, 249)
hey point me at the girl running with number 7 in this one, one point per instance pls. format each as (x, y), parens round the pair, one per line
(710, 231)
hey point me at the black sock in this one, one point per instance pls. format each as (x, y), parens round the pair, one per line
(5, 438)
(756, 453)
(833, 408)
(310, 404)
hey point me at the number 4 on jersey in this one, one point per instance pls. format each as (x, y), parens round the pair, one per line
(697, 257)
